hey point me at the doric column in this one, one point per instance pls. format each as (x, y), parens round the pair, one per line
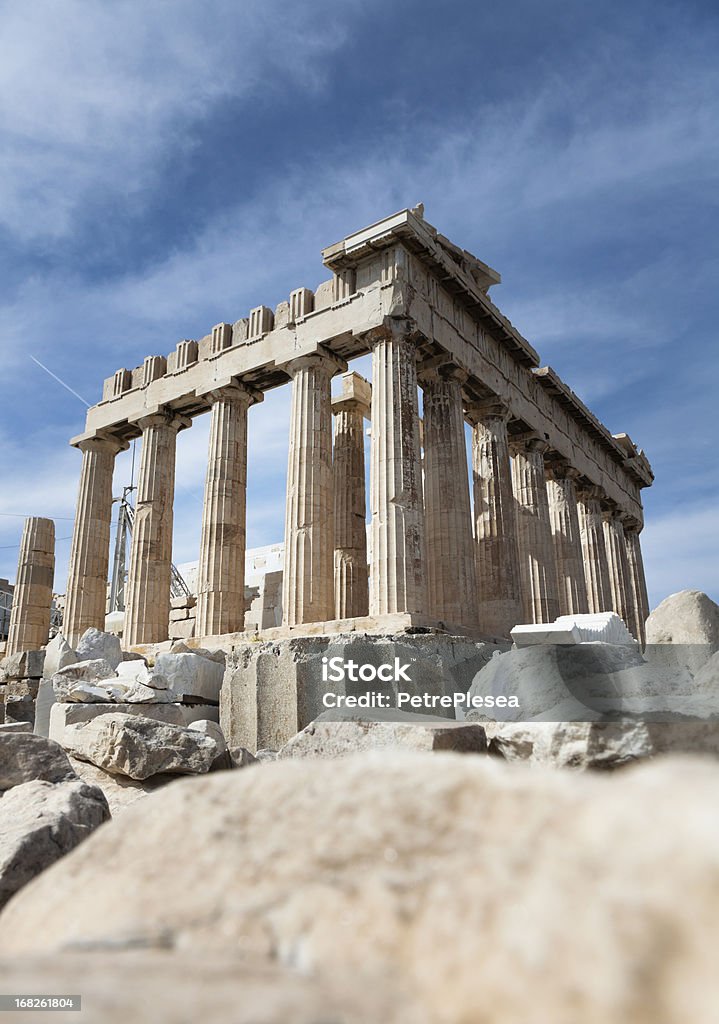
(86, 598)
(594, 551)
(564, 520)
(147, 609)
(397, 571)
(497, 555)
(32, 597)
(637, 580)
(351, 408)
(451, 574)
(534, 533)
(308, 580)
(616, 545)
(221, 569)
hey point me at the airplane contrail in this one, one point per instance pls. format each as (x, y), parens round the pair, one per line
(62, 382)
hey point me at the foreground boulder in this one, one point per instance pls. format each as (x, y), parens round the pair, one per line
(140, 747)
(689, 617)
(490, 891)
(328, 737)
(152, 987)
(45, 810)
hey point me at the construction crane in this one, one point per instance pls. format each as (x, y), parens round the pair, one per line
(123, 541)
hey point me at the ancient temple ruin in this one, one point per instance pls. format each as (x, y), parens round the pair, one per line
(557, 498)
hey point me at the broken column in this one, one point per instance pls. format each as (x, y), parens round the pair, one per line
(351, 408)
(147, 610)
(451, 573)
(397, 571)
(594, 552)
(221, 569)
(564, 519)
(619, 585)
(534, 533)
(32, 597)
(308, 580)
(86, 599)
(637, 580)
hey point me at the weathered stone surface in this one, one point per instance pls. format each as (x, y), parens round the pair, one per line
(27, 758)
(153, 987)
(86, 693)
(82, 671)
(689, 617)
(140, 747)
(368, 866)
(39, 823)
(11, 727)
(62, 715)
(32, 597)
(23, 665)
(130, 672)
(327, 737)
(602, 627)
(272, 690)
(58, 654)
(95, 644)
(571, 744)
(190, 675)
(120, 791)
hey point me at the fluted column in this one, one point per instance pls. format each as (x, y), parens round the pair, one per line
(564, 521)
(451, 573)
(619, 585)
(594, 551)
(86, 598)
(351, 574)
(32, 598)
(497, 556)
(308, 579)
(221, 569)
(147, 609)
(637, 580)
(534, 533)
(397, 571)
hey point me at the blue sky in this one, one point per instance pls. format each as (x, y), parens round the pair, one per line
(168, 164)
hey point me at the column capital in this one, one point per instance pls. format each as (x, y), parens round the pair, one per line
(321, 359)
(356, 395)
(102, 442)
(557, 467)
(235, 391)
(631, 523)
(440, 368)
(524, 444)
(590, 492)
(393, 328)
(164, 418)
(488, 409)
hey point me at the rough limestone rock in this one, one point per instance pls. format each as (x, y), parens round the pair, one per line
(191, 676)
(140, 747)
(58, 654)
(689, 617)
(86, 693)
(22, 665)
(39, 823)
(63, 715)
(45, 810)
(577, 745)
(151, 987)
(27, 758)
(95, 644)
(120, 792)
(490, 891)
(131, 672)
(94, 671)
(326, 737)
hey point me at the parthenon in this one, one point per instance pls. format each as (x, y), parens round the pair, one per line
(553, 521)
